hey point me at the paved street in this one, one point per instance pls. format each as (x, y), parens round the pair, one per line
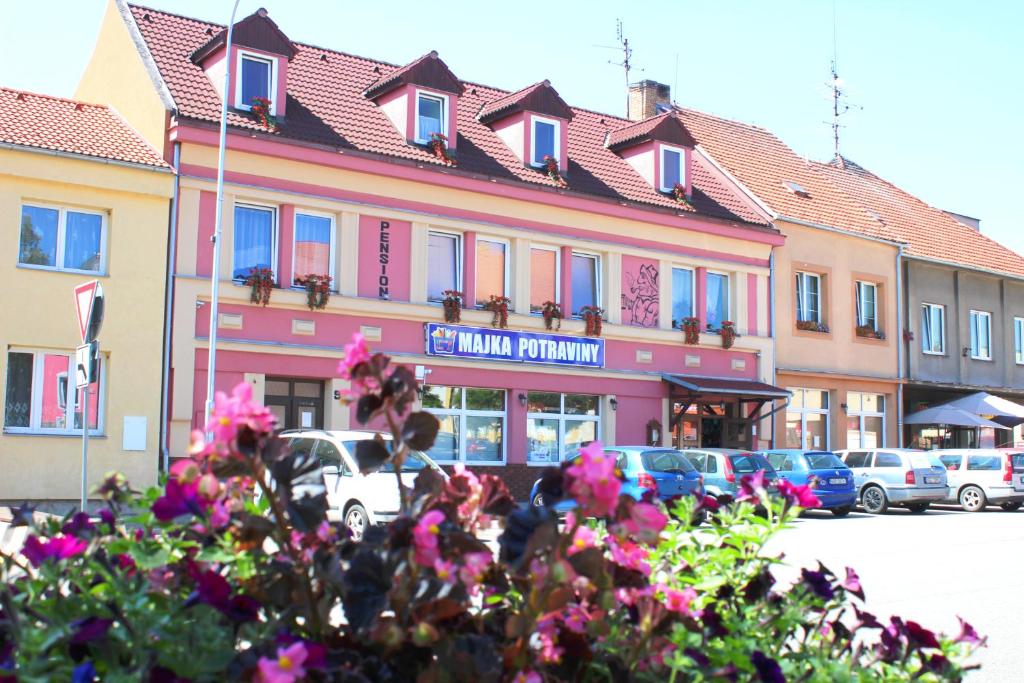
(929, 568)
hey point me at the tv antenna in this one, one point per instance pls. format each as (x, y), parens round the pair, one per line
(627, 56)
(837, 87)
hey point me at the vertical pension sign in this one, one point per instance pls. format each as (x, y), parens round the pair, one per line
(89, 304)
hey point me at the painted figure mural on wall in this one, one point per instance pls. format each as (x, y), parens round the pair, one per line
(639, 292)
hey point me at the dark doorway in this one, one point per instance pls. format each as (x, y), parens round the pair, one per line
(296, 403)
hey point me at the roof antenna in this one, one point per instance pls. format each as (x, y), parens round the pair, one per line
(627, 56)
(839, 104)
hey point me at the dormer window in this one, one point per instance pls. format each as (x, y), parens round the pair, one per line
(544, 140)
(256, 77)
(673, 168)
(431, 116)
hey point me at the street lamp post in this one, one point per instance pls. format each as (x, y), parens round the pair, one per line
(211, 365)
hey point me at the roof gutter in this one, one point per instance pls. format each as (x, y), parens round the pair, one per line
(172, 266)
(900, 344)
(839, 231)
(84, 157)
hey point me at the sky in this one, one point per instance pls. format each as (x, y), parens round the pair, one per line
(935, 86)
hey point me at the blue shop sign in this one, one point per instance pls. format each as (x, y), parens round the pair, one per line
(458, 341)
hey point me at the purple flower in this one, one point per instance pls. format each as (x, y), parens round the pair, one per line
(214, 590)
(89, 629)
(866, 619)
(819, 583)
(936, 663)
(38, 550)
(920, 636)
(751, 486)
(852, 583)
(107, 517)
(84, 673)
(78, 525)
(801, 496)
(178, 499)
(767, 668)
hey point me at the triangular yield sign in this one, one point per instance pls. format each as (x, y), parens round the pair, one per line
(85, 295)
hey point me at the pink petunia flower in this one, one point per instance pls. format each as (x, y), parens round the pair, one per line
(801, 496)
(424, 537)
(38, 550)
(679, 600)
(356, 352)
(594, 481)
(287, 668)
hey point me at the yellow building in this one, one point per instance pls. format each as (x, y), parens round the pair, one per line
(82, 197)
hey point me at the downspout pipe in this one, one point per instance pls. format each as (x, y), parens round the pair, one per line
(772, 331)
(901, 342)
(172, 266)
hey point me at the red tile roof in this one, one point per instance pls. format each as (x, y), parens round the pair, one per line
(54, 123)
(665, 127)
(766, 166)
(326, 106)
(928, 232)
(540, 98)
(429, 71)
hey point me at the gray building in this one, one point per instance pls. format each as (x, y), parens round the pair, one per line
(962, 307)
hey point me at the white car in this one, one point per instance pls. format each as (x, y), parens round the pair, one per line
(984, 476)
(360, 500)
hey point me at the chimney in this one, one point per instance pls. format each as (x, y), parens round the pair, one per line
(973, 223)
(647, 99)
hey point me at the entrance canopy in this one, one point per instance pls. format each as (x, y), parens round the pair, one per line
(714, 412)
(711, 387)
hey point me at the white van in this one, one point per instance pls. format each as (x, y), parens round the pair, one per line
(984, 476)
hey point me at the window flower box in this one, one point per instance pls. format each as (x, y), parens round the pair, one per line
(869, 332)
(811, 326)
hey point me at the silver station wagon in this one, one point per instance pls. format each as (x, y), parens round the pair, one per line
(896, 476)
(984, 476)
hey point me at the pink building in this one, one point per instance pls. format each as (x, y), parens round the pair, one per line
(348, 176)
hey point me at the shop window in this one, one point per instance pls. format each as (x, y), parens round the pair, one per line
(444, 264)
(472, 424)
(585, 281)
(41, 395)
(491, 269)
(431, 116)
(717, 300)
(314, 245)
(867, 305)
(682, 295)
(257, 76)
(981, 335)
(255, 240)
(808, 298)
(545, 277)
(62, 239)
(807, 420)
(865, 420)
(933, 329)
(558, 425)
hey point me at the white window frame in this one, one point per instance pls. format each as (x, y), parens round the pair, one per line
(458, 260)
(508, 261)
(1018, 340)
(271, 87)
(860, 413)
(662, 185)
(443, 99)
(275, 236)
(862, 287)
(562, 417)
(728, 294)
(925, 306)
(597, 280)
(36, 410)
(693, 288)
(987, 317)
(62, 224)
(558, 272)
(804, 411)
(462, 413)
(295, 232)
(806, 276)
(556, 152)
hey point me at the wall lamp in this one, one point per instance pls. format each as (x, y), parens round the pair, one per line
(614, 402)
(522, 400)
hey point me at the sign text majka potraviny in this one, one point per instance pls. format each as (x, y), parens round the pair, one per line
(460, 341)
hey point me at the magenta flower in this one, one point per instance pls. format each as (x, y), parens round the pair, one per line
(584, 538)
(446, 571)
(424, 537)
(473, 569)
(679, 600)
(575, 618)
(968, 634)
(594, 482)
(179, 499)
(356, 352)
(852, 583)
(231, 413)
(78, 525)
(629, 555)
(751, 486)
(38, 550)
(801, 496)
(527, 677)
(286, 668)
(645, 522)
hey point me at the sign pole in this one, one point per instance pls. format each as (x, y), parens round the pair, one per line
(89, 304)
(85, 441)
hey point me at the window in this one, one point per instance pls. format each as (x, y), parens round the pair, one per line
(867, 305)
(256, 78)
(42, 398)
(781, 462)
(682, 295)
(545, 276)
(986, 463)
(444, 264)
(858, 459)
(314, 245)
(951, 462)
(673, 168)
(585, 281)
(717, 300)
(431, 116)
(865, 420)
(544, 140)
(255, 239)
(981, 335)
(491, 269)
(807, 420)
(887, 460)
(472, 424)
(1018, 340)
(933, 329)
(808, 297)
(558, 425)
(62, 239)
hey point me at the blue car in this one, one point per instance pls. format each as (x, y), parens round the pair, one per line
(827, 475)
(664, 471)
